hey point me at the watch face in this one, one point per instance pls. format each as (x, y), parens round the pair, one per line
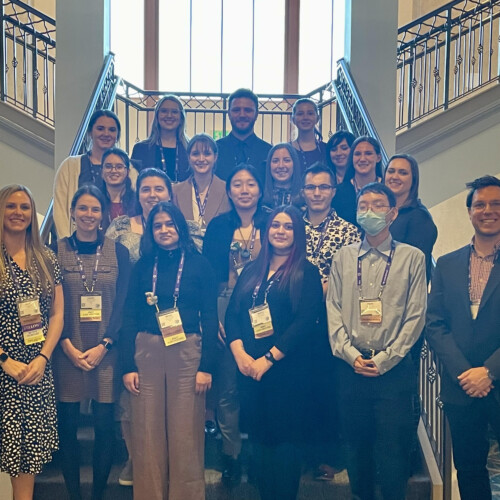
(3, 357)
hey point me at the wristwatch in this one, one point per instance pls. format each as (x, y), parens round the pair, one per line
(107, 344)
(269, 356)
(3, 358)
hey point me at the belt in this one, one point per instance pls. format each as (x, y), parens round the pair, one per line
(369, 353)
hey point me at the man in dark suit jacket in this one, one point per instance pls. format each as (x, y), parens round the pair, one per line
(463, 328)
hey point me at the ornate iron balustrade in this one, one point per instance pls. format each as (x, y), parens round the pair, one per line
(353, 115)
(27, 58)
(208, 113)
(102, 97)
(446, 55)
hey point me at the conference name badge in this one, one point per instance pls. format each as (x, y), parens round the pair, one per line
(170, 324)
(262, 324)
(370, 310)
(91, 308)
(31, 320)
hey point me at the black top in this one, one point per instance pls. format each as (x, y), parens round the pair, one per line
(145, 156)
(232, 152)
(218, 238)
(90, 173)
(414, 226)
(344, 202)
(197, 303)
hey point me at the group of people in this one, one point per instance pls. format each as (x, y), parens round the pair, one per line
(212, 281)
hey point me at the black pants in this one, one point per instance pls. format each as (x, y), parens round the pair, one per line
(379, 435)
(278, 470)
(469, 432)
(103, 447)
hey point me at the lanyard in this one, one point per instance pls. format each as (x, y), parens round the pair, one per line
(201, 206)
(302, 152)
(384, 276)
(177, 280)
(82, 271)
(324, 229)
(276, 277)
(164, 162)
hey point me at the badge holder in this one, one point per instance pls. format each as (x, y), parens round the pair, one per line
(31, 320)
(262, 324)
(370, 310)
(170, 324)
(91, 308)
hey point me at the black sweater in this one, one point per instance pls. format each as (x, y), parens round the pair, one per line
(197, 303)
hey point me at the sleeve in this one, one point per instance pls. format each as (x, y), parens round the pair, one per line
(129, 327)
(307, 314)
(209, 319)
(352, 235)
(61, 199)
(213, 249)
(438, 330)
(413, 320)
(340, 341)
(232, 321)
(115, 320)
(421, 233)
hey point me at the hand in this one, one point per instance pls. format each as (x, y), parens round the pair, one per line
(244, 362)
(131, 382)
(365, 367)
(94, 355)
(203, 382)
(15, 369)
(74, 356)
(35, 371)
(259, 367)
(475, 382)
(222, 334)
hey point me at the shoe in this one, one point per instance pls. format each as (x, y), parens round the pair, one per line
(126, 476)
(211, 428)
(231, 474)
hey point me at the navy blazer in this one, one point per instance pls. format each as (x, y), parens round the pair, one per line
(459, 341)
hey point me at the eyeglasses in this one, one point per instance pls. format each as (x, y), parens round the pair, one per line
(377, 208)
(323, 188)
(119, 167)
(480, 206)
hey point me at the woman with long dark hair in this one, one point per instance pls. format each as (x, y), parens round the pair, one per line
(338, 148)
(95, 271)
(364, 166)
(165, 148)
(271, 322)
(309, 141)
(283, 176)
(169, 347)
(117, 186)
(31, 318)
(232, 240)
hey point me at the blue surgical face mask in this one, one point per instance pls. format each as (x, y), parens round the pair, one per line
(371, 222)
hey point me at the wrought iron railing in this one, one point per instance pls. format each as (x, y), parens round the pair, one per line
(208, 113)
(353, 114)
(103, 97)
(446, 55)
(27, 59)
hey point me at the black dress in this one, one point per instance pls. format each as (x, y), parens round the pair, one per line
(274, 409)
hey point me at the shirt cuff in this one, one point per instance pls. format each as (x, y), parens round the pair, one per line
(351, 354)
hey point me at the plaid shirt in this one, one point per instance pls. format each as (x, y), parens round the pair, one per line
(479, 272)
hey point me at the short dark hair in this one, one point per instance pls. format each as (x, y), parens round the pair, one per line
(320, 168)
(415, 177)
(350, 171)
(109, 114)
(151, 172)
(334, 141)
(252, 171)
(378, 188)
(91, 190)
(244, 93)
(118, 152)
(148, 245)
(480, 183)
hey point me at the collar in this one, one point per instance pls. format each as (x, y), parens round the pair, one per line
(496, 249)
(331, 214)
(384, 248)
(250, 139)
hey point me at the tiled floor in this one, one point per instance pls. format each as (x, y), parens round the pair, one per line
(494, 468)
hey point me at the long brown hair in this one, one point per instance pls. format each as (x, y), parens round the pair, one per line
(38, 262)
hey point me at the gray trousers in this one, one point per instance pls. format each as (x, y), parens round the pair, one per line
(168, 421)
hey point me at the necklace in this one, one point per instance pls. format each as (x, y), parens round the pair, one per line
(246, 253)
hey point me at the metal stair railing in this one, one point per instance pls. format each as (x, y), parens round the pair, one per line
(446, 55)
(103, 97)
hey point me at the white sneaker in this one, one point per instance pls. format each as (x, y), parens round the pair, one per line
(126, 475)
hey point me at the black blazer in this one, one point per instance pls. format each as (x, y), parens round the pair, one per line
(459, 341)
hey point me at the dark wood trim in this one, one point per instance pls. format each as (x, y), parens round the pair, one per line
(151, 44)
(292, 31)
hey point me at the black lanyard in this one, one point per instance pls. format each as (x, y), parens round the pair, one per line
(201, 206)
(303, 154)
(164, 162)
(82, 271)
(324, 229)
(177, 280)
(275, 278)
(384, 276)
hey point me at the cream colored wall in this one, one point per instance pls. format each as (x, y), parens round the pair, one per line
(413, 9)
(46, 6)
(5, 487)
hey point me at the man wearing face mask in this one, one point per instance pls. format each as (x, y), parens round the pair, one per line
(376, 305)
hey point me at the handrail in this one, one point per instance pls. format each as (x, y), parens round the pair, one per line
(355, 115)
(102, 97)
